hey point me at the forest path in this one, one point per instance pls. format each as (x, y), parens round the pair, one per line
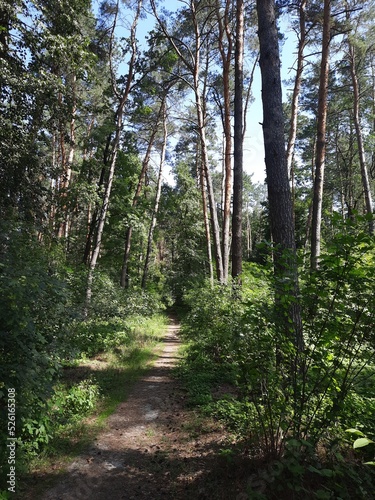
(152, 447)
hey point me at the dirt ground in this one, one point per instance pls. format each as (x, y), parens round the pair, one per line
(154, 447)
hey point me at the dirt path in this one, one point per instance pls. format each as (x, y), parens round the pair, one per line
(152, 448)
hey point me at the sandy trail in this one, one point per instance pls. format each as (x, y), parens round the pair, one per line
(153, 447)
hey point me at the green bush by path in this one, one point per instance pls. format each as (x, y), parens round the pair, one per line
(233, 340)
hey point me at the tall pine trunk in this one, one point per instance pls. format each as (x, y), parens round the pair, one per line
(238, 144)
(321, 140)
(359, 135)
(194, 67)
(279, 195)
(297, 86)
(225, 40)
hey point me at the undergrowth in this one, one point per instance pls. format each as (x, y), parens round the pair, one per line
(292, 423)
(109, 356)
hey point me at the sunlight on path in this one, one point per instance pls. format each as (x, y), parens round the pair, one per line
(119, 464)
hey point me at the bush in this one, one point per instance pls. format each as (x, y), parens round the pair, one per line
(313, 400)
(33, 322)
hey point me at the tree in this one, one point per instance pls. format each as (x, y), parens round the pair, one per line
(110, 157)
(158, 193)
(301, 33)
(225, 46)
(279, 195)
(191, 59)
(357, 124)
(124, 281)
(321, 139)
(238, 144)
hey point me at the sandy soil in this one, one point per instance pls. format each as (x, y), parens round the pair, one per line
(153, 447)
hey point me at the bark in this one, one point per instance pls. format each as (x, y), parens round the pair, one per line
(67, 165)
(321, 140)
(123, 97)
(225, 48)
(279, 195)
(249, 237)
(297, 86)
(238, 144)
(157, 200)
(359, 135)
(206, 224)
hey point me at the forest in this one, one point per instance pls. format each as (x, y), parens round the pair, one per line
(127, 196)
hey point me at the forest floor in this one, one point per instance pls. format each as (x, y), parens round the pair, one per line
(153, 447)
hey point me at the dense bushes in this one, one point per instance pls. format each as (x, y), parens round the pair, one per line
(42, 329)
(34, 318)
(233, 338)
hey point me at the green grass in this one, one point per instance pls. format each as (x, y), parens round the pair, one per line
(107, 378)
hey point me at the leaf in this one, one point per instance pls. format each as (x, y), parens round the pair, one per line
(360, 442)
(369, 463)
(355, 431)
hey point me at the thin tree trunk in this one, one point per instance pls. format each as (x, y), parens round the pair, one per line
(206, 223)
(321, 140)
(157, 199)
(67, 175)
(238, 144)
(114, 150)
(279, 196)
(249, 238)
(358, 130)
(226, 58)
(124, 281)
(211, 195)
(297, 86)
(193, 66)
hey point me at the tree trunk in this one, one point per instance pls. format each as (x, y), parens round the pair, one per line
(157, 199)
(297, 86)
(238, 144)
(358, 130)
(193, 67)
(279, 196)
(67, 166)
(124, 281)
(321, 139)
(123, 97)
(225, 49)
(202, 136)
(206, 223)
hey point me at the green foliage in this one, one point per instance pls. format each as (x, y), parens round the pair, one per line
(67, 404)
(109, 300)
(56, 425)
(94, 336)
(33, 318)
(361, 442)
(292, 407)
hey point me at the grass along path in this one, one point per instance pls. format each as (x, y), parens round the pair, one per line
(152, 446)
